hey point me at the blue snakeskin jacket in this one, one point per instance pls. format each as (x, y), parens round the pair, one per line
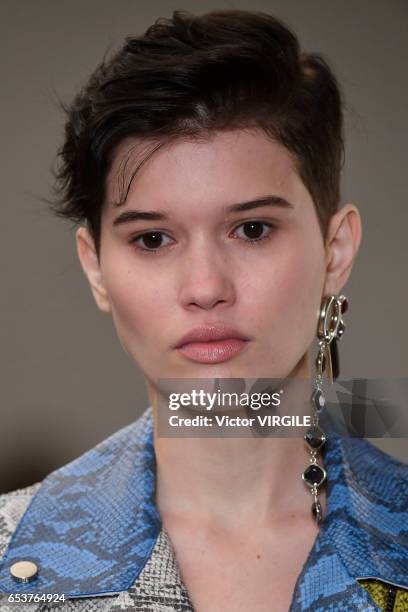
(95, 534)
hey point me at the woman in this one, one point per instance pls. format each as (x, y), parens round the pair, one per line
(204, 159)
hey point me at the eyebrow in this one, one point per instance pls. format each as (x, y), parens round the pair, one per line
(128, 216)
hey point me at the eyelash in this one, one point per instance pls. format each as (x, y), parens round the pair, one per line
(250, 242)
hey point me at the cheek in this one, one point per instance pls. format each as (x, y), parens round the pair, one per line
(286, 291)
(139, 303)
(127, 296)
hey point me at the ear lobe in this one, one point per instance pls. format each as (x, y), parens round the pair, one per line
(91, 267)
(344, 237)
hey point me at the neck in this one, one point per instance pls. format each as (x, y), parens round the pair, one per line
(230, 481)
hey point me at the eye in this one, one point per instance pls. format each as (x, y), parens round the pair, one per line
(254, 231)
(150, 241)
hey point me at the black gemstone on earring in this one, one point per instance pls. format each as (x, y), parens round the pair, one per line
(334, 355)
(315, 437)
(314, 475)
(318, 400)
(317, 512)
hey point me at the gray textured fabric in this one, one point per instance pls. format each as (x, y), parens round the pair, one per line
(159, 587)
(12, 508)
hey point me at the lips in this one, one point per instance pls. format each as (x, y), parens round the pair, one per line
(210, 333)
(212, 343)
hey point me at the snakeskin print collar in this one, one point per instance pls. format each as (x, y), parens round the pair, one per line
(92, 525)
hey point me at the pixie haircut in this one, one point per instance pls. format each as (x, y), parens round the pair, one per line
(189, 76)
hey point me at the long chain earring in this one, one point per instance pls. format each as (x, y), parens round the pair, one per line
(330, 328)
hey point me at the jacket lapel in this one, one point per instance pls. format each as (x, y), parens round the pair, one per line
(365, 531)
(92, 524)
(368, 514)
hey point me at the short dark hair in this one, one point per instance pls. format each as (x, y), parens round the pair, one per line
(191, 75)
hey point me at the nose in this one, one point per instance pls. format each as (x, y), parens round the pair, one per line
(206, 279)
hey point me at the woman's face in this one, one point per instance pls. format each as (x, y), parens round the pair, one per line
(205, 270)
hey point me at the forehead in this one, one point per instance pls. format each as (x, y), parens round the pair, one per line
(208, 170)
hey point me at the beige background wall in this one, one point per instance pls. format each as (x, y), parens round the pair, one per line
(65, 381)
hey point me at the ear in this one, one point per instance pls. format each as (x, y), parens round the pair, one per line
(342, 243)
(91, 267)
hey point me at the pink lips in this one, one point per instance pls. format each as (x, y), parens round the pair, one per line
(212, 343)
